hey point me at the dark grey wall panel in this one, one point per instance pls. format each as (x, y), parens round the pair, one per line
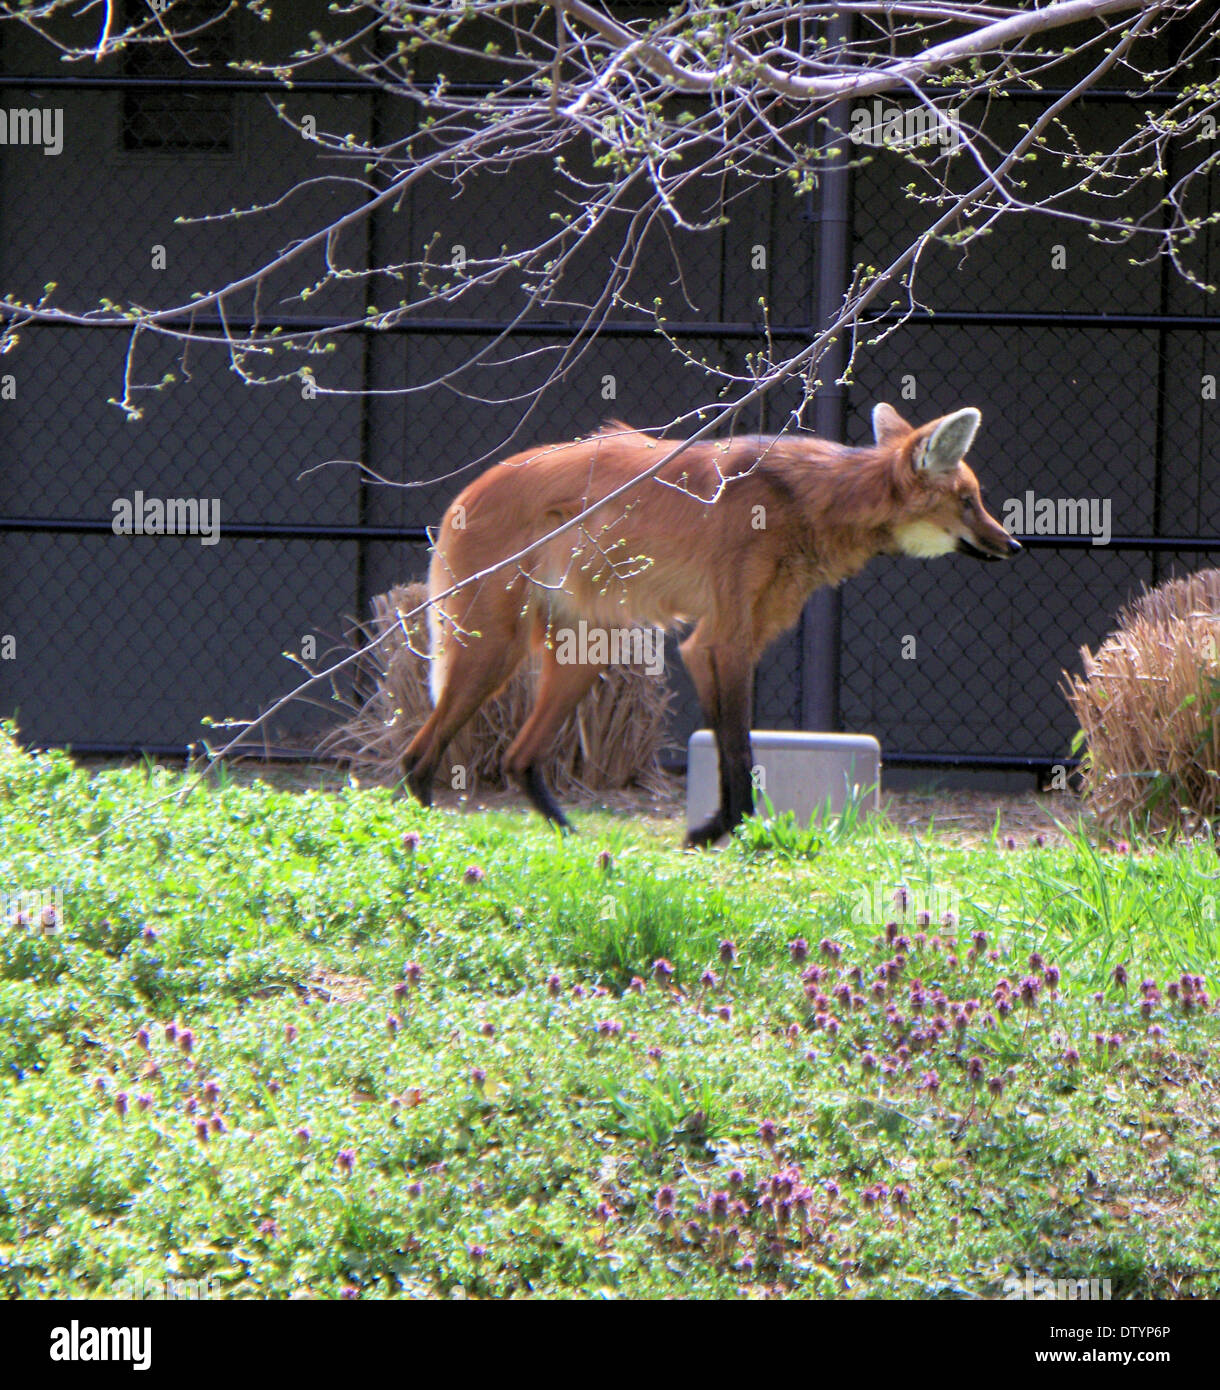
(69, 453)
(1011, 269)
(1190, 486)
(134, 640)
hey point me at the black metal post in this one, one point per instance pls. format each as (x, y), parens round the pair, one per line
(821, 621)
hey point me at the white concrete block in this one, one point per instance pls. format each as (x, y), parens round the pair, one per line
(800, 772)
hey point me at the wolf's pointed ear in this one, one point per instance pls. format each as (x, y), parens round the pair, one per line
(945, 447)
(888, 424)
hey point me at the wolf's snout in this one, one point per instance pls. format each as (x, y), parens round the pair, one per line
(989, 549)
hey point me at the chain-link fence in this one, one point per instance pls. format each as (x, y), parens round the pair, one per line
(1088, 375)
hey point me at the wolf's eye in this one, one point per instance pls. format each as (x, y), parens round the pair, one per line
(967, 504)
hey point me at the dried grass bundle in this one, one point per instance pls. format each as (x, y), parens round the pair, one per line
(614, 739)
(1149, 708)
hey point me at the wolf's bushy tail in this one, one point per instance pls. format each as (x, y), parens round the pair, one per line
(438, 667)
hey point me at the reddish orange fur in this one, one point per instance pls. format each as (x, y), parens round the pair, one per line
(733, 535)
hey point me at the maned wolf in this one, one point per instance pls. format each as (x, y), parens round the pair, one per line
(732, 535)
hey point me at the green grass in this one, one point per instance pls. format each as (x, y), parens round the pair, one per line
(535, 1106)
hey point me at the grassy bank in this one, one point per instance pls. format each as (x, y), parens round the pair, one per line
(326, 1042)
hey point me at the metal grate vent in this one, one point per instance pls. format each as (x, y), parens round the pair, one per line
(174, 120)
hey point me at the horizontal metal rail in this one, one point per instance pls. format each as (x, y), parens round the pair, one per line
(418, 535)
(1186, 544)
(979, 762)
(240, 530)
(181, 752)
(33, 82)
(620, 328)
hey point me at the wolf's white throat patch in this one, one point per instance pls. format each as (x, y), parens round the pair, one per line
(924, 540)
